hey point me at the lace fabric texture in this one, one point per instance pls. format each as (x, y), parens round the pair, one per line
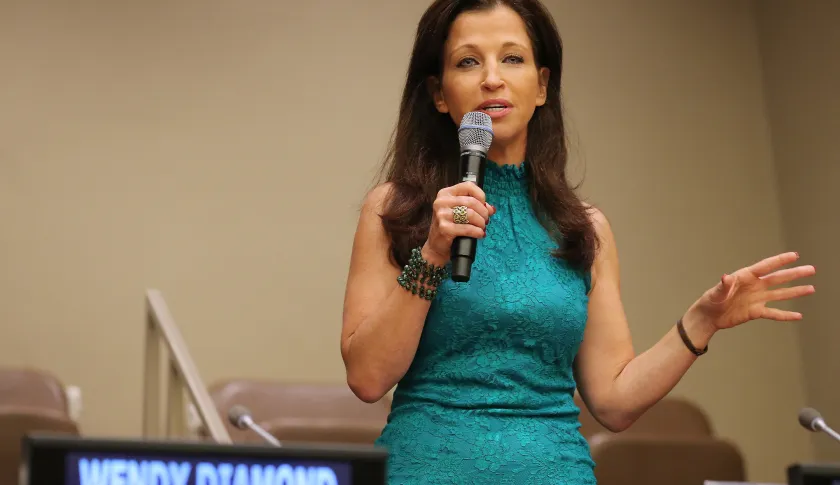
(488, 398)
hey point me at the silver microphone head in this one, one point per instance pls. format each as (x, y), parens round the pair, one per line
(237, 416)
(476, 132)
(808, 418)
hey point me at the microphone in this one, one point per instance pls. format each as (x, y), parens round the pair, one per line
(475, 136)
(240, 417)
(811, 420)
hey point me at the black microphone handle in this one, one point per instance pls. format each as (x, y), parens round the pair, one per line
(463, 248)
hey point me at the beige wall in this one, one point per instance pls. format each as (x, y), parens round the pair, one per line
(800, 42)
(218, 152)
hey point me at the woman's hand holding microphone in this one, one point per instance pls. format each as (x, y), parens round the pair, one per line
(459, 210)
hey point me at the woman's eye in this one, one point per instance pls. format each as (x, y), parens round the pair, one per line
(466, 62)
(471, 61)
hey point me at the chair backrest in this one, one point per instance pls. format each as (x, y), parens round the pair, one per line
(31, 400)
(32, 388)
(671, 417)
(325, 430)
(301, 411)
(652, 460)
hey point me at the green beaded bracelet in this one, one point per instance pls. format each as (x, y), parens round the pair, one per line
(421, 278)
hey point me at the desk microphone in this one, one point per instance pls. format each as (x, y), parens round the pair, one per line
(474, 136)
(240, 417)
(811, 420)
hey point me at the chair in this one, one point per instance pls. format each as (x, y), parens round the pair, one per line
(32, 388)
(301, 411)
(672, 443)
(655, 460)
(325, 430)
(30, 401)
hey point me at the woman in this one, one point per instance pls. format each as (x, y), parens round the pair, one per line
(487, 369)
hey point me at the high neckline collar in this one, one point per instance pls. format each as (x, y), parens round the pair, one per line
(505, 178)
(507, 169)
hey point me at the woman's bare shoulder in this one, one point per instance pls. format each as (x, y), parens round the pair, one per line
(377, 198)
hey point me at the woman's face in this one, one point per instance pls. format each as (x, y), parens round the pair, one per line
(489, 66)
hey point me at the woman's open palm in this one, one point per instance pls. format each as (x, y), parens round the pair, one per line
(743, 295)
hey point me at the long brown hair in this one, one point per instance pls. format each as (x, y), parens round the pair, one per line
(423, 153)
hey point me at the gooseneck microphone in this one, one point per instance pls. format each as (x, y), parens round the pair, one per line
(812, 420)
(240, 417)
(475, 136)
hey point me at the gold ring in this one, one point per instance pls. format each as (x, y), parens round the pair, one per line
(459, 214)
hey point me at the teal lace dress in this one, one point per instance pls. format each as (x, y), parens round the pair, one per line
(488, 398)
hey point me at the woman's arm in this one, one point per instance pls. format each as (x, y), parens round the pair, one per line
(619, 386)
(382, 322)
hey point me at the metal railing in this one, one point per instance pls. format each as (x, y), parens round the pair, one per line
(164, 410)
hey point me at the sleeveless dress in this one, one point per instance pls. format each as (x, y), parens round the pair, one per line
(489, 397)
